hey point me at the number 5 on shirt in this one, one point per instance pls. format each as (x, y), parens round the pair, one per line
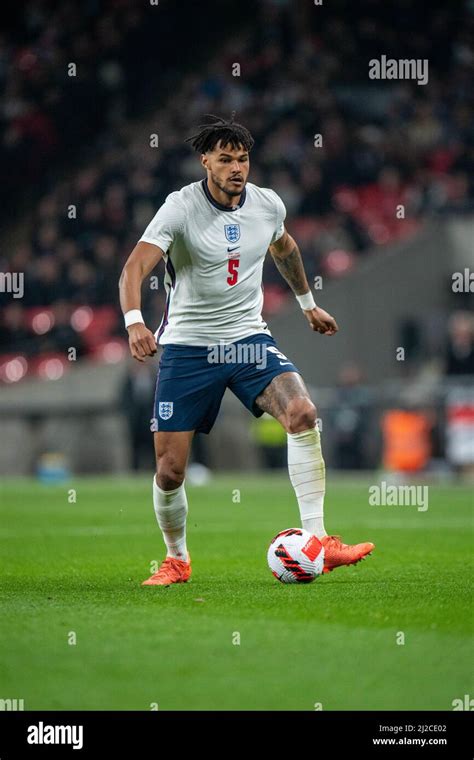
(233, 265)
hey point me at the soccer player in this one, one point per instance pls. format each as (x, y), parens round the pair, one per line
(213, 236)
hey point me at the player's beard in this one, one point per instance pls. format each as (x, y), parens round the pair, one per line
(228, 191)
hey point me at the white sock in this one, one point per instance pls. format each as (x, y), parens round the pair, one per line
(171, 509)
(308, 478)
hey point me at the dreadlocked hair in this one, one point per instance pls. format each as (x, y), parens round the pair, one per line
(228, 132)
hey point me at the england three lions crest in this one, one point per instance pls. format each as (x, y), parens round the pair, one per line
(232, 232)
(165, 409)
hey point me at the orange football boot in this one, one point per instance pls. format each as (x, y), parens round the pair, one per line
(337, 554)
(172, 570)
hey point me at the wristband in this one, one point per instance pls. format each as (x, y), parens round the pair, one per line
(306, 301)
(132, 317)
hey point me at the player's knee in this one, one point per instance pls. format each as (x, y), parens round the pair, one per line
(169, 474)
(300, 415)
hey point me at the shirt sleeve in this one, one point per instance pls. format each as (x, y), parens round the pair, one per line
(280, 218)
(167, 223)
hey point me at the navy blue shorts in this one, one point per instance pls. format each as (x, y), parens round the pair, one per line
(192, 380)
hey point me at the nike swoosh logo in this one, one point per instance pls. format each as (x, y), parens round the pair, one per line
(229, 250)
(282, 363)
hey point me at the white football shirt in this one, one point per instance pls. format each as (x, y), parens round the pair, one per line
(213, 260)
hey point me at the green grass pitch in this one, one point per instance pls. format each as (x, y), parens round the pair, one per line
(76, 568)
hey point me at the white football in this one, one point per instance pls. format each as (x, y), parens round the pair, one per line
(296, 556)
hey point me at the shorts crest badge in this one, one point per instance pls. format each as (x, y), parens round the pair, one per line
(165, 409)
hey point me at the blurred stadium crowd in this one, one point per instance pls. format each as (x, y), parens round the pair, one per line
(83, 143)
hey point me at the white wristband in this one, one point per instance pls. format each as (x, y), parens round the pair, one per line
(132, 317)
(306, 301)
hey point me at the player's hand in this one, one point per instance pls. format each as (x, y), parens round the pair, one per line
(321, 322)
(141, 341)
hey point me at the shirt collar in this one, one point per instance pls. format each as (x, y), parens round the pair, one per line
(212, 200)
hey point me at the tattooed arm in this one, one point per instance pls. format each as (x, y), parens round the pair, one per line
(287, 257)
